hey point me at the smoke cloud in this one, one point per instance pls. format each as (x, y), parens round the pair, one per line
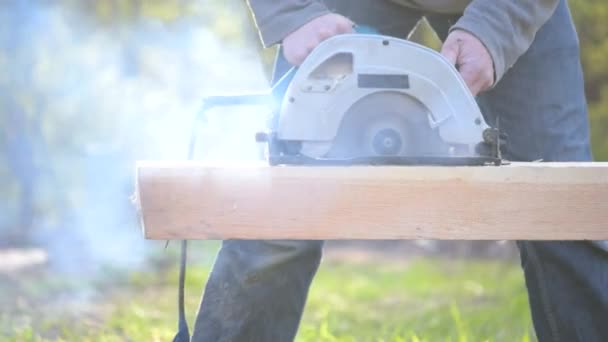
(93, 99)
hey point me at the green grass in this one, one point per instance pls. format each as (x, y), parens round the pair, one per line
(413, 300)
(426, 300)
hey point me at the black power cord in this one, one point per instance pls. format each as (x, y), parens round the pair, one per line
(183, 333)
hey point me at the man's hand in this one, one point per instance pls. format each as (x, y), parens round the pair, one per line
(298, 44)
(471, 58)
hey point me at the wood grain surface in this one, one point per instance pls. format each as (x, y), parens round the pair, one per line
(548, 201)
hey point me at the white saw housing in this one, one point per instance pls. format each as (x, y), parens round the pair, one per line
(373, 77)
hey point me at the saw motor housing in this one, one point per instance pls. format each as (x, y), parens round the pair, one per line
(367, 96)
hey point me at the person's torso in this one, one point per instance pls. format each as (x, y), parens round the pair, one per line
(437, 6)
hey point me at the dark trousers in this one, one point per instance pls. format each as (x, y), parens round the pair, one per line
(257, 289)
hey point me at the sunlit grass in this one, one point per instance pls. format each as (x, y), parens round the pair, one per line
(426, 300)
(411, 300)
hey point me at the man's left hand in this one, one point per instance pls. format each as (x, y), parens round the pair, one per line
(471, 58)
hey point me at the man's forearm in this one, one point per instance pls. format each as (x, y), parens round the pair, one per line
(506, 27)
(276, 19)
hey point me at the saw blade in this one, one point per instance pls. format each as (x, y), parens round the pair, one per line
(385, 124)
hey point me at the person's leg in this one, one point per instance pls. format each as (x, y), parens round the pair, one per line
(540, 105)
(257, 289)
(567, 288)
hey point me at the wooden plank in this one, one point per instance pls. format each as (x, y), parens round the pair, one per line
(192, 200)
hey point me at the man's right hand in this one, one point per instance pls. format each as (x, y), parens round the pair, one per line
(298, 44)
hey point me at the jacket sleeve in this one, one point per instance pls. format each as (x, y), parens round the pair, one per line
(275, 19)
(506, 27)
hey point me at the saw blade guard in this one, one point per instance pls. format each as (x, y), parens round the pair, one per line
(364, 94)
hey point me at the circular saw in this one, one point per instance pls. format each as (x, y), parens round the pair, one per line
(373, 99)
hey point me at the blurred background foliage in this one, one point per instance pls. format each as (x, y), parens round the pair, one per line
(88, 87)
